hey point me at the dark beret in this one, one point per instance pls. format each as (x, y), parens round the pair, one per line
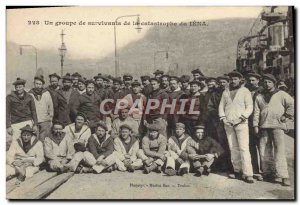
(76, 74)
(270, 77)
(67, 77)
(90, 81)
(125, 126)
(255, 75)
(27, 128)
(235, 74)
(118, 80)
(185, 78)
(135, 83)
(127, 77)
(102, 124)
(157, 72)
(19, 81)
(145, 77)
(197, 71)
(54, 75)
(40, 77)
(224, 77)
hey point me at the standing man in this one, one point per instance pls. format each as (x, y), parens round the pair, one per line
(255, 89)
(177, 159)
(272, 109)
(52, 88)
(75, 77)
(20, 111)
(66, 96)
(185, 79)
(165, 83)
(127, 79)
(224, 82)
(147, 89)
(154, 115)
(235, 107)
(190, 120)
(81, 85)
(158, 74)
(89, 104)
(44, 107)
(197, 73)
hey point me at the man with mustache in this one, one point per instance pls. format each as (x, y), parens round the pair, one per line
(20, 111)
(66, 96)
(52, 88)
(235, 107)
(57, 148)
(43, 105)
(272, 109)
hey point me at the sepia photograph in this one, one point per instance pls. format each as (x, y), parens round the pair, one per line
(150, 103)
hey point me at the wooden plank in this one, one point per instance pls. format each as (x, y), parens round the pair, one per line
(11, 185)
(29, 184)
(46, 188)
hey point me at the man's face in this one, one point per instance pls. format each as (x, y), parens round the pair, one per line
(19, 89)
(67, 84)
(253, 82)
(155, 85)
(224, 83)
(125, 133)
(269, 85)
(173, 85)
(235, 81)
(196, 76)
(179, 131)
(81, 86)
(54, 82)
(165, 82)
(110, 83)
(136, 89)
(185, 85)
(75, 80)
(145, 83)
(212, 84)
(153, 134)
(38, 84)
(127, 82)
(158, 76)
(100, 132)
(90, 88)
(105, 83)
(26, 136)
(79, 121)
(57, 129)
(194, 88)
(124, 114)
(99, 82)
(116, 86)
(199, 134)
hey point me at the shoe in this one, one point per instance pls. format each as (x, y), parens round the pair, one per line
(183, 171)
(200, 170)
(258, 177)
(249, 180)
(130, 168)
(206, 171)
(286, 182)
(234, 175)
(170, 172)
(110, 169)
(268, 178)
(78, 169)
(150, 168)
(86, 170)
(21, 173)
(277, 180)
(158, 170)
(148, 162)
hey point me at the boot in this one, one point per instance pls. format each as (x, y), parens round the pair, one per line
(150, 168)
(158, 170)
(169, 171)
(286, 182)
(20, 173)
(206, 171)
(183, 171)
(130, 168)
(249, 180)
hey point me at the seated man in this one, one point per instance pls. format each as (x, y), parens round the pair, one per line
(124, 118)
(203, 151)
(57, 148)
(177, 157)
(100, 155)
(25, 155)
(126, 148)
(153, 149)
(77, 135)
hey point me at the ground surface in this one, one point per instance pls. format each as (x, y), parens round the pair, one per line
(118, 185)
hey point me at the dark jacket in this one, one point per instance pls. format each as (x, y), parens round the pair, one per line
(20, 110)
(198, 106)
(89, 105)
(147, 90)
(64, 114)
(159, 95)
(212, 106)
(206, 145)
(97, 148)
(54, 100)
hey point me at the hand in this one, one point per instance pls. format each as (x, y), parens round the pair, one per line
(238, 122)
(127, 162)
(35, 128)
(256, 130)
(145, 123)
(10, 131)
(104, 162)
(193, 156)
(209, 157)
(17, 163)
(283, 119)
(127, 156)
(99, 162)
(226, 122)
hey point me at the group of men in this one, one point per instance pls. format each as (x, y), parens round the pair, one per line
(239, 126)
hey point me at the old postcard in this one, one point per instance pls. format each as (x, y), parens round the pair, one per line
(176, 103)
